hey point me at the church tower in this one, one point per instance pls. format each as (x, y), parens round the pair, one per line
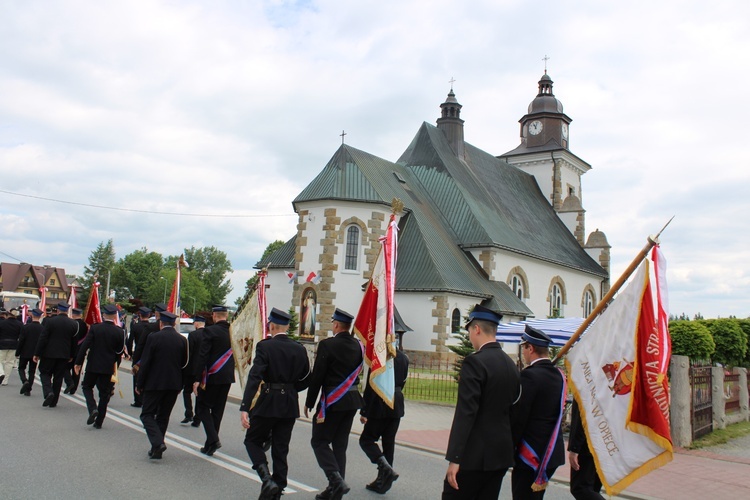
(545, 153)
(451, 124)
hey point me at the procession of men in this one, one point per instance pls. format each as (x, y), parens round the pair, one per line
(503, 418)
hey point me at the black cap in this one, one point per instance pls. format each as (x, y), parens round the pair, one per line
(279, 317)
(167, 317)
(63, 306)
(75, 310)
(200, 319)
(219, 308)
(160, 307)
(144, 311)
(342, 316)
(482, 313)
(109, 309)
(535, 337)
(36, 312)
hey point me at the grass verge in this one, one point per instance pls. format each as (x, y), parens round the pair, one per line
(721, 436)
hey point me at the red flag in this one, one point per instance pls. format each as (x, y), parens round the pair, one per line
(43, 294)
(72, 300)
(93, 313)
(174, 303)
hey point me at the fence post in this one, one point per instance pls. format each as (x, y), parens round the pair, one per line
(717, 393)
(680, 397)
(744, 409)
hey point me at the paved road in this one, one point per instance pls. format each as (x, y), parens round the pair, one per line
(52, 453)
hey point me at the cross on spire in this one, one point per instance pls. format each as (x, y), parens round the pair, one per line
(342, 134)
(545, 59)
(451, 81)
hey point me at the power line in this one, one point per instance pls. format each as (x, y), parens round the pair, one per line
(8, 255)
(144, 211)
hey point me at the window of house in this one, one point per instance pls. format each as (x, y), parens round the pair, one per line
(555, 301)
(456, 321)
(516, 284)
(352, 248)
(52, 282)
(588, 303)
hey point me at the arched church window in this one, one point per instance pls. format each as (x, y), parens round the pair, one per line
(352, 248)
(456, 321)
(516, 284)
(555, 301)
(588, 303)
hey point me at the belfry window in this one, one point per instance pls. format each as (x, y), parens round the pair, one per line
(351, 260)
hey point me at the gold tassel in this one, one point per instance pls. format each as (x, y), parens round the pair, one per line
(538, 487)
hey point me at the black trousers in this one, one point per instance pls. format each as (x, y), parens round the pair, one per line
(70, 377)
(379, 428)
(281, 433)
(330, 440)
(52, 371)
(521, 480)
(584, 482)
(475, 485)
(209, 409)
(23, 364)
(103, 382)
(137, 398)
(187, 398)
(157, 407)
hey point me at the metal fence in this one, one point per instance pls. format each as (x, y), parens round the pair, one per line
(701, 407)
(431, 380)
(731, 392)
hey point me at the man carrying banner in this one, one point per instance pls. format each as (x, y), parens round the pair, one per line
(25, 352)
(104, 343)
(480, 446)
(584, 481)
(215, 375)
(188, 374)
(55, 350)
(136, 342)
(335, 377)
(280, 369)
(536, 418)
(381, 422)
(71, 378)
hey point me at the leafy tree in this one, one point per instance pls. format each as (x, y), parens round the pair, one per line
(136, 272)
(731, 341)
(745, 325)
(101, 261)
(211, 266)
(692, 339)
(293, 333)
(463, 349)
(253, 281)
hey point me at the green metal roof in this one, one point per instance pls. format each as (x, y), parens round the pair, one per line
(282, 258)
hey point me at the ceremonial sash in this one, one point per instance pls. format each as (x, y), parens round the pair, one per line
(218, 365)
(527, 454)
(332, 397)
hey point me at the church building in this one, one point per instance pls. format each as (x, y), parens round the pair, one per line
(507, 231)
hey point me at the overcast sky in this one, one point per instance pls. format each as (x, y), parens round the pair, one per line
(231, 107)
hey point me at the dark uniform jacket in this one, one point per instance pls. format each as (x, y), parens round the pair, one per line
(215, 342)
(57, 340)
(536, 413)
(164, 357)
(194, 347)
(282, 366)
(480, 437)
(374, 406)
(577, 442)
(28, 339)
(148, 329)
(104, 343)
(10, 330)
(336, 359)
(136, 330)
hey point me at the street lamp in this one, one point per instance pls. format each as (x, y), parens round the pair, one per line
(193, 304)
(165, 287)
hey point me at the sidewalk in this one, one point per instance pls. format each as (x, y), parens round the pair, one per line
(719, 472)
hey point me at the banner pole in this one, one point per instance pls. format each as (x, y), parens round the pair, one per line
(651, 242)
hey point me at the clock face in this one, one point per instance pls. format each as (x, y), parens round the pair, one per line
(565, 130)
(535, 127)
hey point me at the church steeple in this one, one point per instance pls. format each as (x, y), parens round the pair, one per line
(545, 119)
(451, 124)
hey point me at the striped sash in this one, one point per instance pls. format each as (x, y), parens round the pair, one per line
(218, 365)
(529, 456)
(332, 397)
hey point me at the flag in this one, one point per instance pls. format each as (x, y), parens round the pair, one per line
(72, 299)
(93, 313)
(313, 278)
(292, 277)
(24, 313)
(611, 375)
(174, 303)
(43, 295)
(248, 328)
(662, 296)
(374, 322)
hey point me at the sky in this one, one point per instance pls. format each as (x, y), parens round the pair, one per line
(227, 109)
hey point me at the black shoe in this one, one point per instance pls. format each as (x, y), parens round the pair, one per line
(386, 476)
(92, 417)
(325, 494)
(2, 377)
(157, 452)
(186, 420)
(26, 387)
(136, 405)
(72, 391)
(27, 393)
(97, 425)
(338, 487)
(67, 390)
(196, 423)
(48, 400)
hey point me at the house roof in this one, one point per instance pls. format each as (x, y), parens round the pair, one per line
(13, 274)
(282, 258)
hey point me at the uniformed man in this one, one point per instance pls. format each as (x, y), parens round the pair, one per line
(135, 339)
(10, 330)
(151, 327)
(25, 353)
(105, 344)
(73, 379)
(381, 422)
(281, 370)
(536, 418)
(584, 480)
(188, 374)
(215, 376)
(480, 446)
(335, 377)
(54, 351)
(160, 380)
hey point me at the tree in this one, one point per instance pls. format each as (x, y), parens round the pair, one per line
(463, 349)
(211, 266)
(101, 261)
(293, 332)
(250, 284)
(745, 325)
(731, 341)
(136, 272)
(692, 339)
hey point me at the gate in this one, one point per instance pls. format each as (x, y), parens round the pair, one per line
(731, 392)
(701, 403)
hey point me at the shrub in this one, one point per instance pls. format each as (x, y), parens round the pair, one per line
(730, 340)
(692, 339)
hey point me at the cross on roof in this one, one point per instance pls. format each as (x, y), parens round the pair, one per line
(545, 59)
(342, 134)
(451, 81)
